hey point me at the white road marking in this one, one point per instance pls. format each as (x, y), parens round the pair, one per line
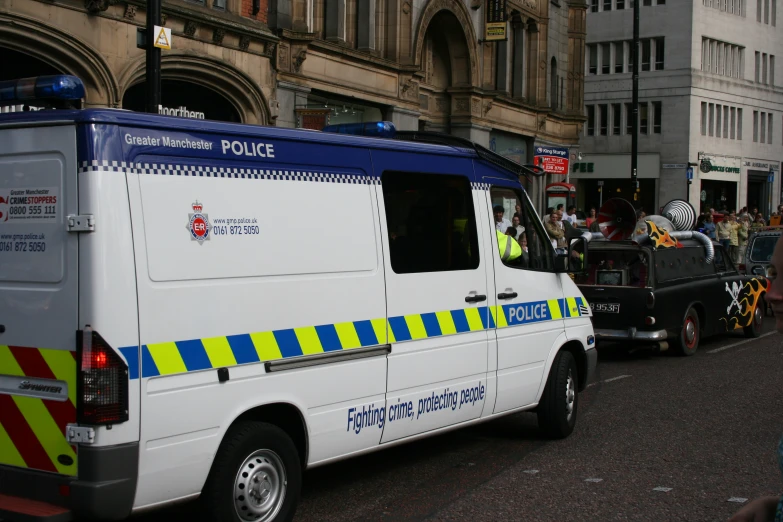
(716, 350)
(609, 380)
(530, 471)
(617, 378)
(593, 480)
(739, 500)
(661, 488)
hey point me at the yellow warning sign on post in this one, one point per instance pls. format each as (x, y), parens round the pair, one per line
(162, 37)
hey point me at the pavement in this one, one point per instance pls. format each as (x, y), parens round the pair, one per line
(658, 438)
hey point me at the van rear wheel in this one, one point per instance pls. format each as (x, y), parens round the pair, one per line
(558, 407)
(256, 476)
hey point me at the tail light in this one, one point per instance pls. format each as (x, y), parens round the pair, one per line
(650, 300)
(102, 382)
(649, 320)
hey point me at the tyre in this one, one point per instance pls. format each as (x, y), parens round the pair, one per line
(256, 476)
(690, 333)
(558, 407)
(754, 328)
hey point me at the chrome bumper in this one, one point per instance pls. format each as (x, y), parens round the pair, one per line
(631, 334)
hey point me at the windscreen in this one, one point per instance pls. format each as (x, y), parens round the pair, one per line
(615, 268)
(761, 251)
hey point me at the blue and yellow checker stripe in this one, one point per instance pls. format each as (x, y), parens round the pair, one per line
(170, 358)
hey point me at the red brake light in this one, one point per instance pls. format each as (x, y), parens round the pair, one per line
(102, 386)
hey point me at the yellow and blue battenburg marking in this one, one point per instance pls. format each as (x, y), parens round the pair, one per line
(171, 358)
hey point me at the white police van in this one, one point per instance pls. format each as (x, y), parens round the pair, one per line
(200, 309)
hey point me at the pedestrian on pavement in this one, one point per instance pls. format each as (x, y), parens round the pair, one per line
(592, 217)
(742, 234)
(709, 226)
(769, 509)
(725, 229)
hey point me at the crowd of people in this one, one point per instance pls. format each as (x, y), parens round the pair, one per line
(734, 229)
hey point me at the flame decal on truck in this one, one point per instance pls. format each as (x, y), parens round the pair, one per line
(743, 302)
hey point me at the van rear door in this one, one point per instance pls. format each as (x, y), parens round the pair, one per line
(38, 297)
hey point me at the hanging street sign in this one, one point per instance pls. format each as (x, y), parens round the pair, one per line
(496, 22)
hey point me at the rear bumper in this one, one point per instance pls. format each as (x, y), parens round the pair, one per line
(631, 334)
(105, 489)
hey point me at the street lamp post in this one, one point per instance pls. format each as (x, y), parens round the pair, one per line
(153, 57)
(635, 100)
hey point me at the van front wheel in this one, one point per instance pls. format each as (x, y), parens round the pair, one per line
(256, 476)
(558, 407)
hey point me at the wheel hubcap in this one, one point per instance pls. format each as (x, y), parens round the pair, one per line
(260, 486)
(758, 315)
(570, 396)
(690, 332)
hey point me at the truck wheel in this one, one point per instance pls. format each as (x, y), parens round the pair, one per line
(558, 407)
(754, 328)
(256, 476)
(689, 336)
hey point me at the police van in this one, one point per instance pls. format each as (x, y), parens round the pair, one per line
(200, 309)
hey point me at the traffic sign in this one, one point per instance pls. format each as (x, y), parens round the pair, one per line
(162, 37)
(690, 172)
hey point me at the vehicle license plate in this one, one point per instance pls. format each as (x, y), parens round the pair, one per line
(612, 308)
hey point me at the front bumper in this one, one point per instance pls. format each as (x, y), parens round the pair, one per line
(631, 334)
(105, 489)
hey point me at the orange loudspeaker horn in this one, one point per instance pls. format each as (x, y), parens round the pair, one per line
(617, 219)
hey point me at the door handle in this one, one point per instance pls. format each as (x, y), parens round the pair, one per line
(475, 298)
(509, 295)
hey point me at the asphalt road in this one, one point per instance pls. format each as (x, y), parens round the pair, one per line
(659, 438)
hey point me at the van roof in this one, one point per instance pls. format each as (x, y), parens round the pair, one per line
(156, 121)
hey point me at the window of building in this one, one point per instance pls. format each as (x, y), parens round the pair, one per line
(659, 54)
(593, 50)
(657, 117)
(758, 10)
(703, 118)
(771, 70)
(606, 60)
(643, 119)
(619, 48)
(593, 6)
(766, 11)
(219, 4)
(718, 119)
(763, 127)
(705, 54)
(620, 4)
(604, 112)
(646, 52)
(758, 66)
(725, 121)
(591, 120)
(711, 125)
(607, 5)
(647, 3)
(774, 13)
(433, 220)
(764, 68)
(617, 113)
(769, 128)
(628, 118)
(733, 124)
(739, 124)
(755, 126)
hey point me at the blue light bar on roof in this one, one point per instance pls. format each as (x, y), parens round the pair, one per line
(378, 129)
(60, 87)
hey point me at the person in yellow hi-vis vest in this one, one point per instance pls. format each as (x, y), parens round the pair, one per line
(508, 246)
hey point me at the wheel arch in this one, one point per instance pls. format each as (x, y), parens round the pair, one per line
(701, 312)
(577, 349)
(285, 416)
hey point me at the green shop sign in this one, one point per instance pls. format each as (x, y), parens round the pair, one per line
(582, 167)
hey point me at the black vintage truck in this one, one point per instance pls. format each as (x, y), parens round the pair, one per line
(640, 294)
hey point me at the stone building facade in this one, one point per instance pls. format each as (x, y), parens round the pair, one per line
(422, 64)
(221, 62)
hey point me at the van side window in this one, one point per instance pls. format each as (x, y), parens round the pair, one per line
(431, 222)
(513, 215)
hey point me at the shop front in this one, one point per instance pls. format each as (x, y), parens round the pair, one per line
(763, 185)
(599, 177)
(317, 109)
(183, 99)
(719, 182)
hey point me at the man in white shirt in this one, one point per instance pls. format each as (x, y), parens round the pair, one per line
(501, 223)
(571, 216)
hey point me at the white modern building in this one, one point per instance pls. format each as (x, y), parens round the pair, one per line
(710, 93)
